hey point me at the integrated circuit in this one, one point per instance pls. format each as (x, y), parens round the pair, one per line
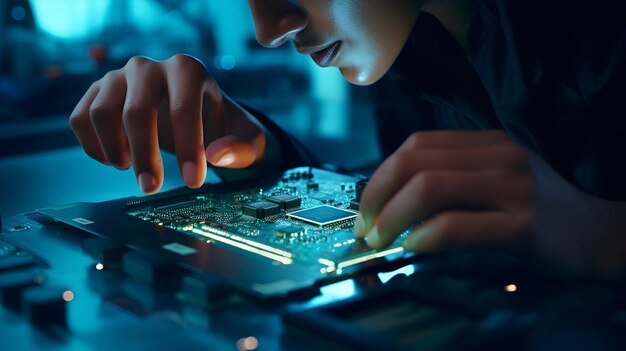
(286, 202)
(322, 215)
(261, 209)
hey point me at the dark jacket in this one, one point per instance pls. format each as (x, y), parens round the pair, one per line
(551, 73)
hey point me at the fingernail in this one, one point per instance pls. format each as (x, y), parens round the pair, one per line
(189, 173)
(226, 159)
(373, 238)
(418, 241)
(147, 182)
(359, 226)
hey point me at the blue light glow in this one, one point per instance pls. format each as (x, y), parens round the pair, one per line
(340, 290)
(70, 19)
(386, 276)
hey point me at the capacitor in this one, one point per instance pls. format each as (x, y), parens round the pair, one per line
(360, 186)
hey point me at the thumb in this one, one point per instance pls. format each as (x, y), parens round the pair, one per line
(235, 153)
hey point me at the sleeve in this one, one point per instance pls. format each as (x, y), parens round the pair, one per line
(556, 74)
(598, 87)
(399, 111)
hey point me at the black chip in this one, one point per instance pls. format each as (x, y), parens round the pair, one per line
(322, 215)
(261, 209)
(286, 202)
(354, 205)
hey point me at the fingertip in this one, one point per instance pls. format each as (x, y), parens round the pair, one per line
(231, 152)
(373, 239)
(222, 158)
(359, 227)
(193, 175)
(420, 240)
(189, 173)
(122, 165)
(148, 183)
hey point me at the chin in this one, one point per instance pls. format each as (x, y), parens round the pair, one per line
(358, 76)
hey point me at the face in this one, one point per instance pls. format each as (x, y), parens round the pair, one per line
(360, 37)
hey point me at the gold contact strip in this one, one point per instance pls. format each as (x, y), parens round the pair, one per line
(244, 246)
(369, 257)
(249, 242)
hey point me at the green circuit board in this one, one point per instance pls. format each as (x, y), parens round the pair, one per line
(305, 218)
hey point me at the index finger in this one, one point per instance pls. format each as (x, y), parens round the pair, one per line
(145, 83)
(186, 77)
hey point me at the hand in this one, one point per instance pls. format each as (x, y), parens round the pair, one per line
(125, 117)
(480, 189)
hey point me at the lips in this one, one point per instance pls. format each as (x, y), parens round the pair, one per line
(327, 55)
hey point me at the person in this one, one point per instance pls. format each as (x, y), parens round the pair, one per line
(502, 121)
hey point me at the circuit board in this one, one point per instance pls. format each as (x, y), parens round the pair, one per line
(306, 218)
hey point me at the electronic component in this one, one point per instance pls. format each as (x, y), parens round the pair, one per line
(289, 232)
(312, 186)
(360, 186)
(283, 235)
(286, 202)
(322, 215)
(355, 205)
(261, 209)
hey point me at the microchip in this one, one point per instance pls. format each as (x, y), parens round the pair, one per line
(322, 215)
(261, 209)
(286, 202)
(313, 186)
(355, 205)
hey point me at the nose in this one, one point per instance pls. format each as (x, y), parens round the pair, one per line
(276, 21)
